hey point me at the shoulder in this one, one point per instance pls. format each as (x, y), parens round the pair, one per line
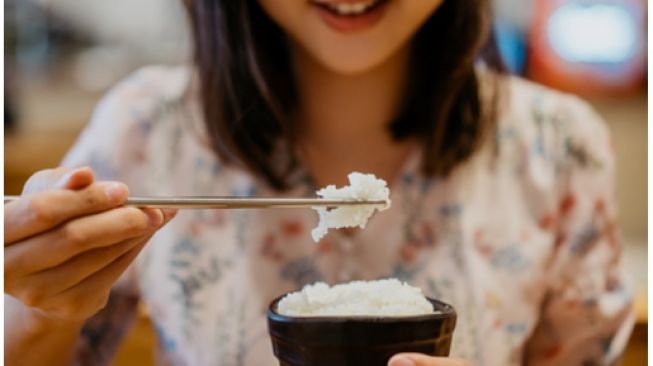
(131, 116)
(535, 103)
(154, 81)
(552, 124)
(144, 93)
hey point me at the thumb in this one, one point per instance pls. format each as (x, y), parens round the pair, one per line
(62, 178)
(417, 359)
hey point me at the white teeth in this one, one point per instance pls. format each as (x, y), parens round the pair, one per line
(344, 8)
(358, 7)
(352, 8)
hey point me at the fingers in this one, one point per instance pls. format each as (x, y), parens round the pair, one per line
(77, 179)
(45, 210)
(67, 178)
(417, 359)
(80, 235)
(79, 286)
(50, 282)
(72, 272)
(91, 294)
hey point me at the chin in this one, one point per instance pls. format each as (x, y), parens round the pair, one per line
(350, 66)
(350, 60)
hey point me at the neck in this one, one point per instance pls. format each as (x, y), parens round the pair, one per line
(337, 108)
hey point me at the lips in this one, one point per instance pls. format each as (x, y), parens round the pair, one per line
(350, 16)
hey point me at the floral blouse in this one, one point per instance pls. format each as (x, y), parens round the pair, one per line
(521, 239)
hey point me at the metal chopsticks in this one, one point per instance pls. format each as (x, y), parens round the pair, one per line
(236, 202)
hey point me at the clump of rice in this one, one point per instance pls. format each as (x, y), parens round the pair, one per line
(387, 297)
(361, 186)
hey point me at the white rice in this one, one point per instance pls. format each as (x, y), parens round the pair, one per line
(387, 297)
(361, 186)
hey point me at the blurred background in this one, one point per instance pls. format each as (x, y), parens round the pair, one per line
(62, 55)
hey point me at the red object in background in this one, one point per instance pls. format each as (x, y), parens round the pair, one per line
(589, 47)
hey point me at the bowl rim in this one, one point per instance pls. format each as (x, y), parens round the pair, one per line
(445, 311)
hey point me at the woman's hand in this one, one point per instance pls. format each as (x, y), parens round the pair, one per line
(67, 240)
(416, 359)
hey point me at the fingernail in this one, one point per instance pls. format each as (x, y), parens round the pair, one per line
(155, 216)
(401, 361)
(76, 179)
(116, 191)
(63, 181)
(169, 213)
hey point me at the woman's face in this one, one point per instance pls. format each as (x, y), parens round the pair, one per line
(350, 36)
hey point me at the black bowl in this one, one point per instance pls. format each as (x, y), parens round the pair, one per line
(358, 340)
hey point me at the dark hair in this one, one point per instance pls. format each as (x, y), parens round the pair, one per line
(247, 89)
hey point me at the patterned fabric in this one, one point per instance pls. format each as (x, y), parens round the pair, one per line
(521, 239)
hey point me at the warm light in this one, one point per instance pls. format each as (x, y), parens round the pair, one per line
(599, 33)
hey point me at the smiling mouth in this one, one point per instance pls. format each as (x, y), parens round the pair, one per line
(349, 9)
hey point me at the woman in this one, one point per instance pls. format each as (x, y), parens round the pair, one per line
(501, 190)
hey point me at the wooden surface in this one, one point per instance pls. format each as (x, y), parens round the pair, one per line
(138, 347)
(28, 153)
